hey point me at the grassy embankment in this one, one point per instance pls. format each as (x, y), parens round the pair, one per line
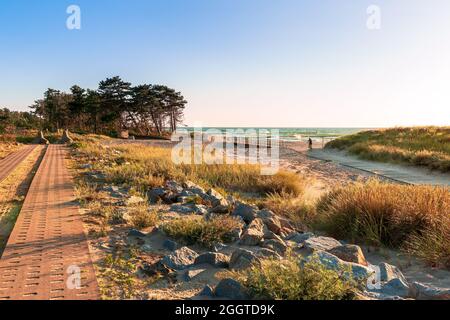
(412, 218)
(421, 146)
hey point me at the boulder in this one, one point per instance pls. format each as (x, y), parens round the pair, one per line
(270, 235)
(245, 211)
(389, 272)
(195, 189)
(216, 198)
(276, 245)
(174, 186)
(180, 259)
(423, 291)
(136, 233)
(265, 253)
(242, 259)
(182, 209)
(230, 289)
(219, 209)
(188, 275)
(157, 194)
(332, 262)
(299, 237)
(321, 243)
(254, 234)
(207, 291)
(349, 253)
(217, 260)
(170, 245)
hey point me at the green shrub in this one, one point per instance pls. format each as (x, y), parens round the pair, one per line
(291, 280)
(195, 229)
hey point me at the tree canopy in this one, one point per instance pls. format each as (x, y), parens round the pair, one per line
(114, 106)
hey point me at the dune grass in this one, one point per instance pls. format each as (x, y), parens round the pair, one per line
(196, 230)
(420, 146)
(414, 218)
(289, 279)
(145, 167)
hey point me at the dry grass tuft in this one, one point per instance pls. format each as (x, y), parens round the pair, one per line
(421, 146)
(391, 215)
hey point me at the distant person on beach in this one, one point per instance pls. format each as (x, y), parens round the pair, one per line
(310, 143)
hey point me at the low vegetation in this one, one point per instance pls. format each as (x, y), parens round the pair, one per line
(145, 167)
(415, 218)
(420, 146)
(289, 279)
(196, 230)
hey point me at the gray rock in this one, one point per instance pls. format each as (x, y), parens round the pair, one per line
(246, 212)
(270, 235)
(214, 259)
(254, 233)
(157, 194)
(216, 198)
(389, 272)
(219, 209)
(200, 209)
(423, 291)
(321, 243)
(219, 247)
(194, 189)
(180, 259)
(182, 209)
(349, 253)
(136, 233)
(242, 259)
(170, 245)
(207, 291)
(276, 245)
(174, 186)
(146, 248)
(299, 237)
(273, 224)
(265, 253)
(230, 289)
(395, 288)
(189, 275)
(334, 263)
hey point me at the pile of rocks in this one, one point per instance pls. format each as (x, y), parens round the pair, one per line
(265, 235)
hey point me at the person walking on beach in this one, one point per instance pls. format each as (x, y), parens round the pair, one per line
(310, 143)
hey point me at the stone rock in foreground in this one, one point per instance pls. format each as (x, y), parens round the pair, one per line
(207, 291)
(299, 237)
(246, 212)
(423, 291)
(358, 272)
(214, 259)
(170, 245)
(349, 253)
(242, 259)
(230, 289)
(389, 272)
(321, 244)
(180, 259)
(265, 253)
(254, 233)
(276, 245)
(136, 233)
(216, 199)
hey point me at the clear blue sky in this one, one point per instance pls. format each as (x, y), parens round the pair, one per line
(242, 63)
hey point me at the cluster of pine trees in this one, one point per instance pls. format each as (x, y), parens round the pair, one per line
(115, 106)
(12, 121)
